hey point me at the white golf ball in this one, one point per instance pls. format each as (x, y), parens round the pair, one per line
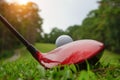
(63, 39)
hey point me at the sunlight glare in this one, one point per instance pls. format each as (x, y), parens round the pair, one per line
(22, 2)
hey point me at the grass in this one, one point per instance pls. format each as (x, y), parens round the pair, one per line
(110, 58)
(44, 47)
(27, 68)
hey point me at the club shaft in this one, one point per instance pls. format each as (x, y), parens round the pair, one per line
(14, 31)
(35, 53)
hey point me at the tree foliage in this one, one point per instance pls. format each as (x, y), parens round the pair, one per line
(52, 36)
(102, 25)
(24, 18)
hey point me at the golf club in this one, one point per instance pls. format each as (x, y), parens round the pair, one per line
(72, 53)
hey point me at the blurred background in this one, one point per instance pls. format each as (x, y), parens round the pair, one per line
(101, 23)
(42, 21)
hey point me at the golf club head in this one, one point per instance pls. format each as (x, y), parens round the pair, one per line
(72, 53)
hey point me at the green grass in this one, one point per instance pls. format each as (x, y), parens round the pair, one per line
(27, 68)
(110, 58)
(44, 47)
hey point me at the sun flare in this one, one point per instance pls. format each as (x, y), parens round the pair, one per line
(22, 2)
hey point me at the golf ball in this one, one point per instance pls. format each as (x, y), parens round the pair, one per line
(63, 39)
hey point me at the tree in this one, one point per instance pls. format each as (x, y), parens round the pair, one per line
(24, 18)
(53, 35)
(71, 31)
(108, 27)
(102, 24)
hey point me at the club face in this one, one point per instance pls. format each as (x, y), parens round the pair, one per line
(73, 53)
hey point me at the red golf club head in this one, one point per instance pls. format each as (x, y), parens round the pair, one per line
(71, 53)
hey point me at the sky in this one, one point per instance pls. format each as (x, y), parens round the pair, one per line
(63, 13)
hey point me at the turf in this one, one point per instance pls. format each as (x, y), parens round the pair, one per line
(27, 68)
